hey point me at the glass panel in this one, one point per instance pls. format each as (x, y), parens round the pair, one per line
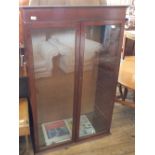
(54, 60)
(99, 78)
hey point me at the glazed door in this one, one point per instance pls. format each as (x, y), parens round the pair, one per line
(100, 57)
(52, 70)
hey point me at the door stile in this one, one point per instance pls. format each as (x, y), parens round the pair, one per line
(76, 83)
(79, 78)
(31, 82)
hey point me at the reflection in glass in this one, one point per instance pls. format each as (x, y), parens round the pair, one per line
(54, 60)
(99, 78)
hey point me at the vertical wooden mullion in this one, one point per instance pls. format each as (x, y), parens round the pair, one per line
(76, 75)
(79, 79)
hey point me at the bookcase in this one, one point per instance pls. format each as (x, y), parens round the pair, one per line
(73, 55)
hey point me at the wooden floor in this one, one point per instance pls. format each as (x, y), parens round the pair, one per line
(120, 142)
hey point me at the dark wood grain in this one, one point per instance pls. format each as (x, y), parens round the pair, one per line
(74, 13)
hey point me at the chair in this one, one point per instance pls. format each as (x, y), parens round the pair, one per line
(126, 79)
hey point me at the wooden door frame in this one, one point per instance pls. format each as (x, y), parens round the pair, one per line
(83, 25)
(28, 27)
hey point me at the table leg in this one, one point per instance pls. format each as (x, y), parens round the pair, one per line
(125, 93)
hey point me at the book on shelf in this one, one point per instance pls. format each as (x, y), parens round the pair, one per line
(86, 127)
(61, 130)
(55, 132)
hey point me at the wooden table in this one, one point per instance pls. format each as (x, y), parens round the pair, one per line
(127, 72)
(24, 129)
(126, 78)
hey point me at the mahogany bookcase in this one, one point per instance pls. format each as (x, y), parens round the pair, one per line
(73, 56)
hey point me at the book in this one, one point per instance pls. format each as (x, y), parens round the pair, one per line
(86, 127)
(61, 130)
(55, 132)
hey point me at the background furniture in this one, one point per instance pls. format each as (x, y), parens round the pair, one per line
(126, 79)
(72, 101)
(128, 43)
(24, 129)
